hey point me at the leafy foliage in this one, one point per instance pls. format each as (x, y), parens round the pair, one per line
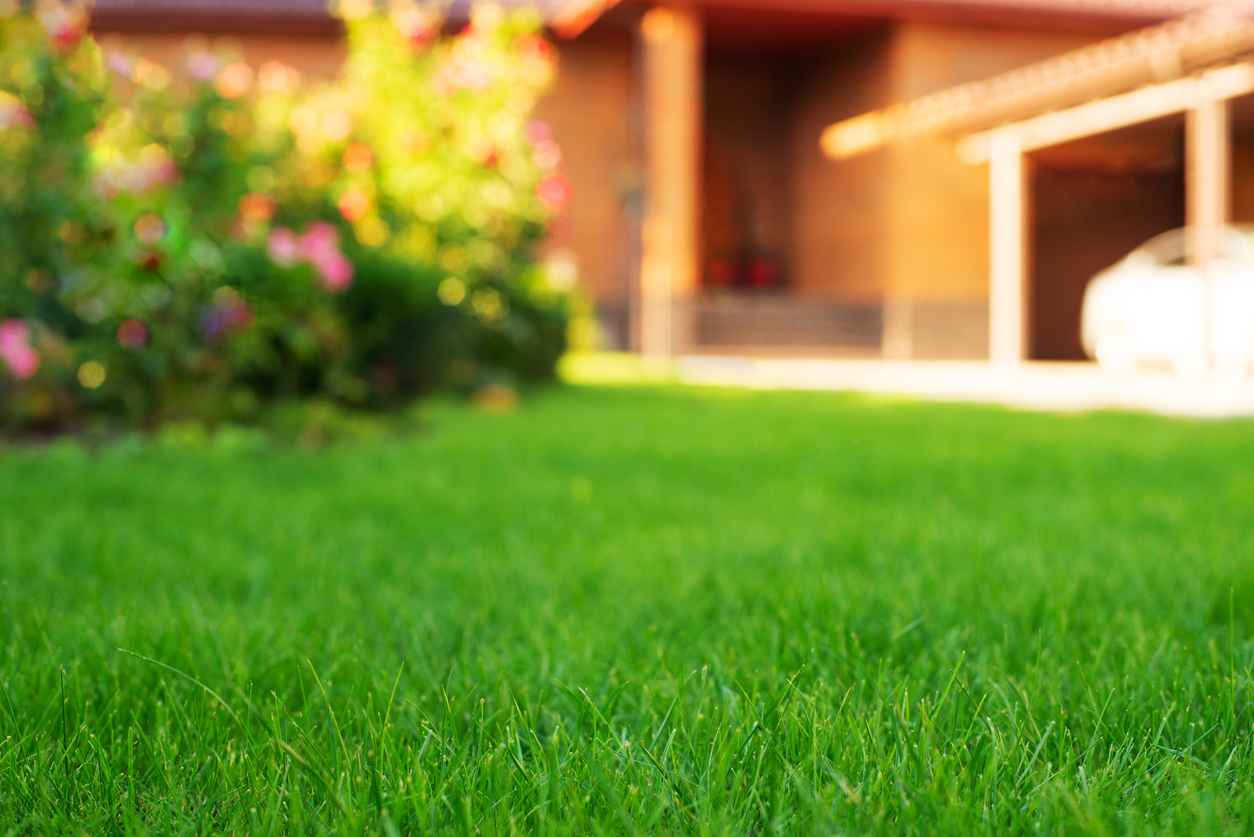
(196, 244)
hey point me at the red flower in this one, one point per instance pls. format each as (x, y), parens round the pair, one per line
(354, 204)
(132, 334)
(534, 46)
(66, 25)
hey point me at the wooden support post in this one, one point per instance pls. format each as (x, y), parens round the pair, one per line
(1208, 194)
(1008, 254)
(1208, 150)
(671, 39)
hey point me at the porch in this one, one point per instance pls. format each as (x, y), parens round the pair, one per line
(733, 180)
(892, 245)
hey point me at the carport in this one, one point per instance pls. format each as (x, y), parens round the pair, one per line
(1179, 79)
(1090, 202)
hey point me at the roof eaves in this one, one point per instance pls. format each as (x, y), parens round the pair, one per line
(1147, 56)
(564, 17)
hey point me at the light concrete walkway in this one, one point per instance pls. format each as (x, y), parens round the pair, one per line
(1047, 386)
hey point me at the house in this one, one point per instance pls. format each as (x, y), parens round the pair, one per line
(785, 175)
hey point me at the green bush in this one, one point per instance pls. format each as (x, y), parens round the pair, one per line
(192, 246)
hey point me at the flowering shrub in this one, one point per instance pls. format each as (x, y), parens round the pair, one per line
(52, 88)
(195, 243)
(458, 185)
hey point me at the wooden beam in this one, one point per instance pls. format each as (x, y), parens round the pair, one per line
(671, 40)
(1008, 228)
(1218, 33)
(1143, 105)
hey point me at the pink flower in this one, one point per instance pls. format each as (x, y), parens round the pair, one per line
(320, 238)
(132, 334)
(159, 170)
(472, 75)
(548, 155)
(154, 167)
(203, 66)
(554, 192)
(467, 68)
(284, 247)
(149, 229)
(420, 26)
(336, 270)
(23, 362)
(13, 114)
(320, 247)
(13, 333)
(120, 63)
(15, 349)
(539, 131)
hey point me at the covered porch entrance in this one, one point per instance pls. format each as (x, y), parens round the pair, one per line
(729, 128)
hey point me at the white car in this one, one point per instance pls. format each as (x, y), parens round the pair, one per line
(1154, 308)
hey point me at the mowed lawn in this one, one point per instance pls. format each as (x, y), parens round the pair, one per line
(639, 610)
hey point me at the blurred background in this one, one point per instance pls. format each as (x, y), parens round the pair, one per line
(209, 208)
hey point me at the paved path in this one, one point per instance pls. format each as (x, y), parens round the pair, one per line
(1049, 386)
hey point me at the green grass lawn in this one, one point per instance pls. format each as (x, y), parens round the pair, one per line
(639, 610)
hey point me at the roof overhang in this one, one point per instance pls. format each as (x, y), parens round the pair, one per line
(570, 18)
(1145, 104)
(574, 17)
(1148, 72)
(565, 18)
(1087, 15)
